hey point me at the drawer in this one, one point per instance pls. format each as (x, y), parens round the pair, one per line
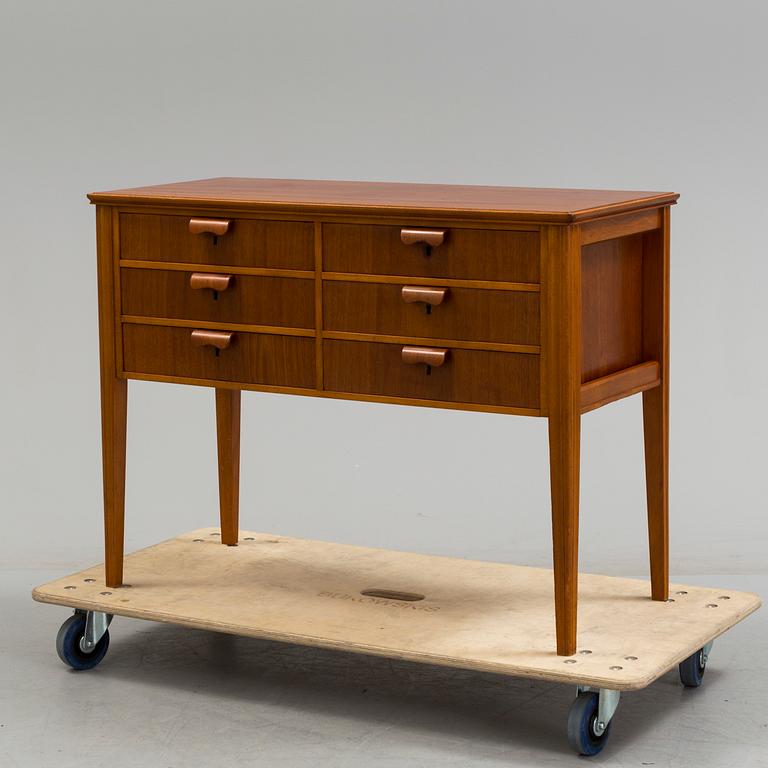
(249, 299)
(467, 376)
(469, 254)
(252, 358)
(246, 242)
(469, 314)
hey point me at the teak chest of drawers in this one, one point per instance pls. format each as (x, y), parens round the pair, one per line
(521, 301)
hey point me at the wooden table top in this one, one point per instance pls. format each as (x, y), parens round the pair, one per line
(381, 198)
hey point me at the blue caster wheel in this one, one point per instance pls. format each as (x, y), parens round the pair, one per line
(584, 734)
(68, 644)
(692, 669)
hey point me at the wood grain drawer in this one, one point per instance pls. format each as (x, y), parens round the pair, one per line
(468, 376)
(248, 299)
(252, 358)
(247, 242)
(469, 254)
(463, 314)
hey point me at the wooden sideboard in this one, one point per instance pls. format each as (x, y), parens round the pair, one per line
(536, 302)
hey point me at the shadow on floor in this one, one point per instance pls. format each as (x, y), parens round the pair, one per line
(461, 706)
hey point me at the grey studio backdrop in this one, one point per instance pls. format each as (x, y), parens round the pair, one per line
(663, 96)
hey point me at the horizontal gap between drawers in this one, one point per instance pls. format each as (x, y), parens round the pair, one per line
(508, 409)
(528, 349)
(341, 276)
(276, 330)
(355, 277)
(217, 268)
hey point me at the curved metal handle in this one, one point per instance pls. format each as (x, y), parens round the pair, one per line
(427, 355)
(430, 237)
(214, 227)
(218, 339)
(421, 293)
(218, 283)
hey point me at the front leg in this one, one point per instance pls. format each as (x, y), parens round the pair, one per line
(561, 392)
(228, 443)
(114, 414)
(564, 440)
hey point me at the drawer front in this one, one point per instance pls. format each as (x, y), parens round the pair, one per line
(252, 358)
(248, 299)
(469, 254)
(461, 313)
(246, 243)
(466, 376)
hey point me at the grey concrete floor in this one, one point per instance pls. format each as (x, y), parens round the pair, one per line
(172, 697)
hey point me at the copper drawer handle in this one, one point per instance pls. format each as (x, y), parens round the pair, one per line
(217, 283)
(413, 294)
(217, 339)
(427, 355)
(213, 227)
(430, 237)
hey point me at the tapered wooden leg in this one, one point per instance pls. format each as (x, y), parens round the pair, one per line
(228, 441)
(561, 377)
(114, 412)
(114, 401)
(656, 433)
(564, 440)
(656, 402)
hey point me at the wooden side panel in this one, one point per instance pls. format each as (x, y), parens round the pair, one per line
(622, 225)
(611, 306)
(623, 383)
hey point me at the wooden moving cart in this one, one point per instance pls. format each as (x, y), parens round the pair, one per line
(520, 301)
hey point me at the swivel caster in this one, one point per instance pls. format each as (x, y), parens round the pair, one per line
(83, 639)
(692, 669)
(589, 720)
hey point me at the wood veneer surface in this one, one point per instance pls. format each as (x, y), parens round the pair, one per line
(522, 203)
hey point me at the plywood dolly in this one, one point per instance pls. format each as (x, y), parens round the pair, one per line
(407, 606)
